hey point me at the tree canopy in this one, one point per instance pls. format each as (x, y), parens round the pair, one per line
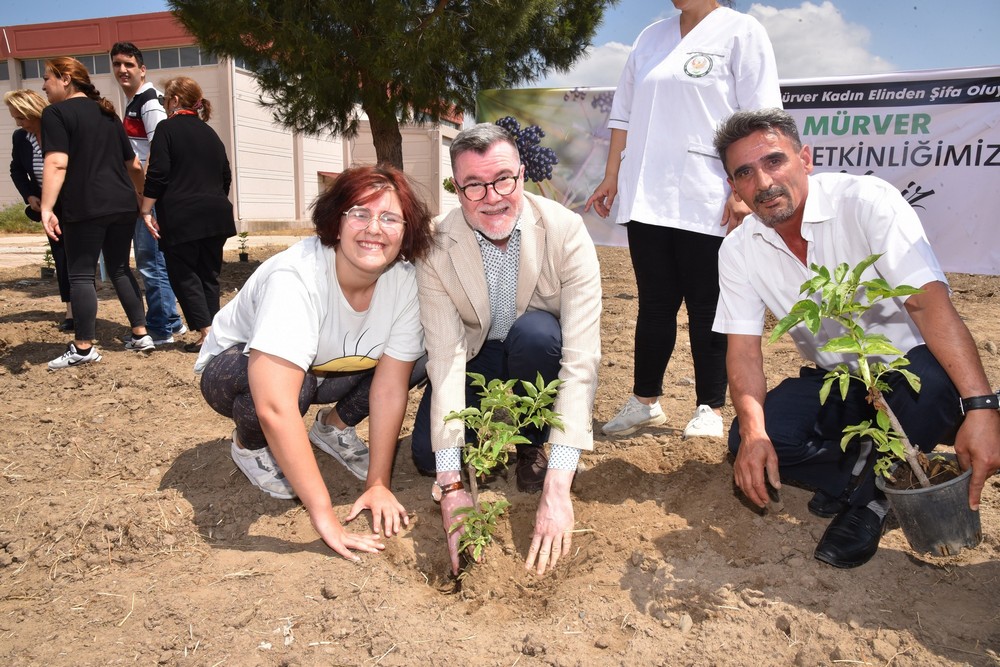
(319, 61)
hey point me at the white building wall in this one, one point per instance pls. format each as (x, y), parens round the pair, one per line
(320, 155)
(264, 153)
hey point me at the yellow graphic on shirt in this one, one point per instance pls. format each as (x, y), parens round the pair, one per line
(349, 364)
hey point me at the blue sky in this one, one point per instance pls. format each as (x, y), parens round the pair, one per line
(815, 38)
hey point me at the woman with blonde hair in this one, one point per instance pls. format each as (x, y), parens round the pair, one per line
(26, 166)
(188, 180)
(93, 173)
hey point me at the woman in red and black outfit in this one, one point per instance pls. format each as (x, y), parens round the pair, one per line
(188, 181)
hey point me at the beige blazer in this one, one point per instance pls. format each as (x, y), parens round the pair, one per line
(558, 273)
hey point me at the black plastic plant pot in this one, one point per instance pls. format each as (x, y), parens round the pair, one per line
(244, 257)
(48, 272)
(936, 520)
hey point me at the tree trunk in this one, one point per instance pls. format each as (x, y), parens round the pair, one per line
(388, 140)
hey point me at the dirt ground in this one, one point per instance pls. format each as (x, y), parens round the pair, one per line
(127, 536)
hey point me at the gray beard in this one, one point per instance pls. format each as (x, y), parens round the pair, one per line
(776, 217)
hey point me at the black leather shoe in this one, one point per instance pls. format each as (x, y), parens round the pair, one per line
(826, 506)
(532, 464)
(851, 539)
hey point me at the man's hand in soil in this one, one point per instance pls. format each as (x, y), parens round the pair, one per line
(450, 503)
(553, 535)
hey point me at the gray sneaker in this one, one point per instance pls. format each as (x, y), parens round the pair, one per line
(260, 468)
(342, 444)
(140, 343)
(634, 415)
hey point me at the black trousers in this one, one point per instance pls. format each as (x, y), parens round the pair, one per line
(193, 269)
(673, 266)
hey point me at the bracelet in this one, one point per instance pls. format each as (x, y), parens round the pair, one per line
(988, 402)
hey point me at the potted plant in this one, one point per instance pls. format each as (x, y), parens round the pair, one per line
(48, 269)
(244, 255)
(497, 423)
(933, 509)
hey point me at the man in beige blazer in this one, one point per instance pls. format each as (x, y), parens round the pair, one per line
(511, 288)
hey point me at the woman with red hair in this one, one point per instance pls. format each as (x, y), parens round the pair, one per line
(333, 319)
(188, 180)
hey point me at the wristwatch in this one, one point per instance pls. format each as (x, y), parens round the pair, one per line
(987, 402)
(438, 492)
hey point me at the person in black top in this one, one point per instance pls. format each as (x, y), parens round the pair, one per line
(92, 171)
(25, 107)
(188, 180)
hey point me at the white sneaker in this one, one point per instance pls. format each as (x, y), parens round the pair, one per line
(260, 468)
(705, 423)
(169, 338)
(72, 357)
(140, 343)
(634, 415)
(342, 444)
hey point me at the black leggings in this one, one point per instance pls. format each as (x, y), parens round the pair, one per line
(58, 250)
(671, 266)
(85, 240)
(225, 384)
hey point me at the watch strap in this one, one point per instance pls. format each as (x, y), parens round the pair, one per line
(438, 492)
(987, 402)
(448, 488)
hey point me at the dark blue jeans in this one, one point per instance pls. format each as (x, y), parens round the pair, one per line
(806, 435)
(534, 345)
(161, 314)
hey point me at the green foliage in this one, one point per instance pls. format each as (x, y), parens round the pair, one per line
(47, 260)
(243, 236)
(321, 63)
(449, 186)
(497, 423)
(479, 524)
(844, 298)
(501, 415)
(14, 221)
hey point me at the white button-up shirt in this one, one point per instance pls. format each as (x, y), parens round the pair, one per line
(846, 219)
(671, 95)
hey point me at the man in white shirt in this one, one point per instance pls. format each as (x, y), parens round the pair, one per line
(827, 219)
(143, 111)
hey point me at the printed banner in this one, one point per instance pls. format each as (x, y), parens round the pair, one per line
(933, 134)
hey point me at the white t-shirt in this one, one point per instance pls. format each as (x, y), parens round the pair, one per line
(143, 112)
(292, 307)
(672, 94)
(846, 219)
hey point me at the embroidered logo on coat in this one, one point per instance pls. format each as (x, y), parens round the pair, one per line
(698, 65)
